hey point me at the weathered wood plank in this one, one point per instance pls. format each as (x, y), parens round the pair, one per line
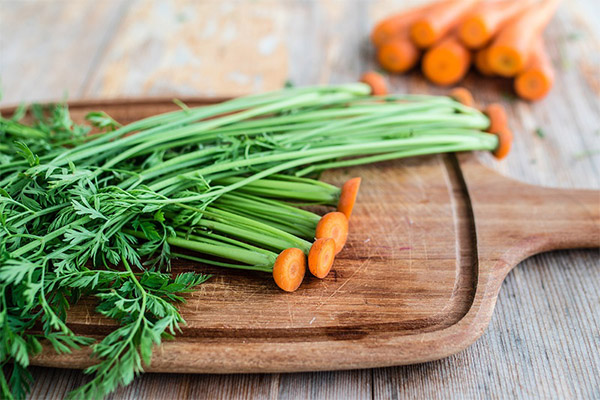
(48, 48)
(561, 287)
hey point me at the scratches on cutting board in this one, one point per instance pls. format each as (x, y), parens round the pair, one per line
(359, 269)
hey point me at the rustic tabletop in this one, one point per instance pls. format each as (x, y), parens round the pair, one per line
(544, 338)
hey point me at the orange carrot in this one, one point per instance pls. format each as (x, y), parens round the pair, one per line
(481, 63)
(487, 18)
(376, 82)
(447, 62)
(396, 24)
(463, 96)
(508, 53)
(333, 225)
(499, 127)
(289, 269)
(321, 256)
(538, 77)
(398, 54)
(497, 115)
(438, 21)
(505, 138)
(348, 196)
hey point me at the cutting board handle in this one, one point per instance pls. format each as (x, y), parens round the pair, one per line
(570, 219)
(515, 220)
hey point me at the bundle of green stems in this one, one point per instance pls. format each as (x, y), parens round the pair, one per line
(225, 184)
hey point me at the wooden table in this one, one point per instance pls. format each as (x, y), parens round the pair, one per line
(113, 48)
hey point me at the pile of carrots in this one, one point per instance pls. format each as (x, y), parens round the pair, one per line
(500, 37)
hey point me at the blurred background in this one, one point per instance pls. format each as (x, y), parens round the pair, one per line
(51, 50)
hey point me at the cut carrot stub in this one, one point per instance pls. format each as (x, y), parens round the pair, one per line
(397, 24)
(376, 82)
(348, 196)
(498, 119)
(537, 79)
(398, 55)
(505, 138)
(486, 19)
(321, 256)
(509, 52)
(482, 64)
(438, 21)
(447, 62)
(289, 269)
(333, 225)
(463, 96)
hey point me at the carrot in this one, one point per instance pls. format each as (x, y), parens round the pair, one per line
(289, 269)
(497, 115)
(463, 96)
(499, 127)
(376, 82)
(438, 21)
(447, 62)
(505, 138)
(538, 77)
(397, 24)
(333, 225)
(487, 18)
(398, 54)
(348, 196)
(481, 63)
(508, 53)
(321, 256)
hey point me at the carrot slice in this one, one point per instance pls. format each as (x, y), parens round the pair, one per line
(486, 19)
(321, 256)
(333, 225)
(397, 24)
(289, 269)
(348, 196)
(447, 62)
(376, 82)
(508, 53)
(463, 96)
(498, 119)
(482, 64)
(440, 20)
(505, 138)
(398, 55)
(537, 79)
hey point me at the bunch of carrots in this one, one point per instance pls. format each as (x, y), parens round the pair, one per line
(262, 227)
(500, 37)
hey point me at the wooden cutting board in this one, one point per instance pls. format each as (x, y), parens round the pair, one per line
(431, 240)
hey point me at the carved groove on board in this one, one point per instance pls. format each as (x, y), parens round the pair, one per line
(467, 259)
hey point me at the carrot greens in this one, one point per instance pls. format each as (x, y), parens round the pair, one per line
(101, 209)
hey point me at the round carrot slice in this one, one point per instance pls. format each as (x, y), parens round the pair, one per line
(463, 96)
(474, 32)
(289, 269)
(321, 256)
(447, 62)
(423, 34)
(505, 138)
(398, 55)
(497, 115)
(536, 80)
(505, 60)
(348, 196)
(376, 82)
(482, 64)
(333, 225)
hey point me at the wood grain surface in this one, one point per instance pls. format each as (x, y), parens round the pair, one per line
(544, 335)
